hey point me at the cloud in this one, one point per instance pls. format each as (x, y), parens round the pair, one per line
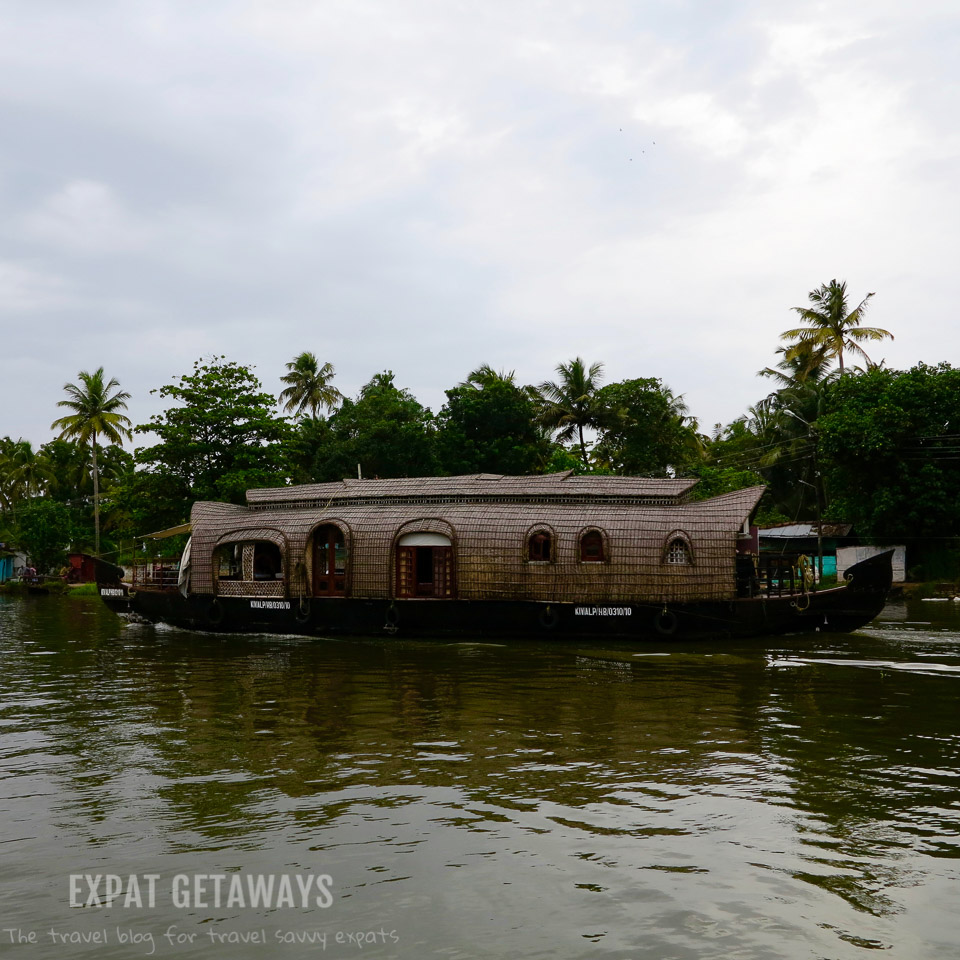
(26, 290)
(425, 187)
(85, 217)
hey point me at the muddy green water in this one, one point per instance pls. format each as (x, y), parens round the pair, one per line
(787, 798)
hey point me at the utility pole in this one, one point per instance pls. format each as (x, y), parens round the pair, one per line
(816, 489)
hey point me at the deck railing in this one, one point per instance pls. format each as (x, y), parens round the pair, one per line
(773, 575)
(781, 575)
(155, 575)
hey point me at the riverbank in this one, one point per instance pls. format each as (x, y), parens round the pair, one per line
(18, 588)
(922, 591)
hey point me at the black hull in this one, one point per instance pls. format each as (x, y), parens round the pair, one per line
(838, 610)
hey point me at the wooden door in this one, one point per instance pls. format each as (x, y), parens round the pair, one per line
(329, 562)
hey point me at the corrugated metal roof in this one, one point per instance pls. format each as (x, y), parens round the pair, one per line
(804, 530)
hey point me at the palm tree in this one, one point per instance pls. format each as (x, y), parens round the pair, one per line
(95, 405)
(570, 404)
(25, 472)
(808, 363)
(832, 325)
(485, 376)
(309, 386)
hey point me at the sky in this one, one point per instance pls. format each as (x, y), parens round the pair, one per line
(427, 186)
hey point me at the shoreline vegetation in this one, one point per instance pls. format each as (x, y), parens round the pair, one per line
(836, 437)
(55, 586)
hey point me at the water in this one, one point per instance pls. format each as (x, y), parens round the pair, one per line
(795, 797)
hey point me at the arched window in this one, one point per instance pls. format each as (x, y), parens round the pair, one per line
(678, 552)
(248, 568)
(540, 547)
(592, 547)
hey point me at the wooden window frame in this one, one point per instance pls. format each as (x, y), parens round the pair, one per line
(593, 534)
(539, 537)
(678, 537)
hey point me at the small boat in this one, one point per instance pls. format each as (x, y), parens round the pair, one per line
(491, 556)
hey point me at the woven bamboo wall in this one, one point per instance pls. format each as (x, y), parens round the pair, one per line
(490, 544)
(251, 588)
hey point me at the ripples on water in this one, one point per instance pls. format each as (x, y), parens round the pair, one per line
(794, 797)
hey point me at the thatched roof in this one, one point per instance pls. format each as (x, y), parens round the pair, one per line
(480, 488)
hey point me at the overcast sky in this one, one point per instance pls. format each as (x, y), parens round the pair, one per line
(427, 186)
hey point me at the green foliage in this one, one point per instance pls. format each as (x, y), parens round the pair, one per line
(712, 481)
(777, 443)
(644, 429)
(561, 459)
(831, 326)
(70, 473)
(308, 451)
(23, 472)
(933, 562)
(84, 590)
(715, 480)
(568, 405)
(890, 451)
(222, 437)
(142, 502)
(45, 529)
(95, 406)
(489, 430)
(70, 470)
(806, 362)
(385, 430)
(308, 386)
(768, 515)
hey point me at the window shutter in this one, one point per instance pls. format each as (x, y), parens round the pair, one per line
(443, 571)
(406, 571)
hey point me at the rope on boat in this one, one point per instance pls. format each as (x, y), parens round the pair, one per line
(807, 579)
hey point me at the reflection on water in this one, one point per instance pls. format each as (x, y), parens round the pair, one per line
(790, 797)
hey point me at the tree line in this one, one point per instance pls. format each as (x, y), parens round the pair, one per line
(861, 443)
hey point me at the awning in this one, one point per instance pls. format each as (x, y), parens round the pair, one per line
(163, 534)
(424, 540)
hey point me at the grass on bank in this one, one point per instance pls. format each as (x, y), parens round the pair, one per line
(18, 588)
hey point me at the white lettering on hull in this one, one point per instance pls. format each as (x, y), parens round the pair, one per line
(603, 611)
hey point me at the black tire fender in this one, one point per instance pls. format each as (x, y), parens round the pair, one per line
(549, 618)
(302, 616)
(665, 623)
(392, 616)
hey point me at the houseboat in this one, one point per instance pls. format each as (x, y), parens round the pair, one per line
(489, 556)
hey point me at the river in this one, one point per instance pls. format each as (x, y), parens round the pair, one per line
(791, 797)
